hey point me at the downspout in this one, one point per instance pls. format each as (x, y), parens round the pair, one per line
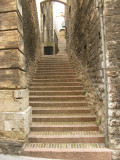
(105, 75)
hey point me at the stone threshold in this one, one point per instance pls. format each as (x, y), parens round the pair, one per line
(14, 157)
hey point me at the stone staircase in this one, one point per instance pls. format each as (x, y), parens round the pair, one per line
(63, 125)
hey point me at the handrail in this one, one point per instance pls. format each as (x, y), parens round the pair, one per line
(83, 69)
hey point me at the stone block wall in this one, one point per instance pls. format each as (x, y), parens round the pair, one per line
(112, 36)
(94, 100)
(84, 43)
(19, 54)
(46, 25)
(31, 37)
(46, 12)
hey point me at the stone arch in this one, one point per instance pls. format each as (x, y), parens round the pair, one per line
(47, 29)
(61, 1)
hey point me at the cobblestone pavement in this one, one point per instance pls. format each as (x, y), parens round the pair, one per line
(8, 157)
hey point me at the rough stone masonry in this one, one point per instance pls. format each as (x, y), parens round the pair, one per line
(84, 41)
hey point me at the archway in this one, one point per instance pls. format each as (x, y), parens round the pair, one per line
(61, 1)
(51, 23)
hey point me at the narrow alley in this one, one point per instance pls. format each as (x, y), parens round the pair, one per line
(59, 79)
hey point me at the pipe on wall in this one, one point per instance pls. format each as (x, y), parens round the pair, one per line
(105, 75)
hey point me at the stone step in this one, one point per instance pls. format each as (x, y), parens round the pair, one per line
(55, 84)
(52, 70)
(71, 151)
(63, 118)
(55, 88)
(56, 98)
(54, 76)
(56, 80)
(59, 59)
(62, 56)
(54, 73)
(55, 110)
(56, 61)
(57, 56)
(64, 126)
(58, 93)
(58, 104)
(47, 68)
(54, 65)
(65, 137)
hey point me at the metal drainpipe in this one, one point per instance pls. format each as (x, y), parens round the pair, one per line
(105, 75)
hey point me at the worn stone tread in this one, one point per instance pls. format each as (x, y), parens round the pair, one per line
(61, 146)
(67, 133)
(63, 123)
(61, 108)
(64, 115)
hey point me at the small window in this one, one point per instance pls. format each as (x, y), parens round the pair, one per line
(48, 50)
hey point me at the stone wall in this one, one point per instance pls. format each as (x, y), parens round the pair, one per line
(47, 22)
(112, 36)
(84, 43)
(31, 37)
(46, 26)
(19, 53)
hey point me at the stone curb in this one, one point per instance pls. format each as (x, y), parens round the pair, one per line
(6, 157)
